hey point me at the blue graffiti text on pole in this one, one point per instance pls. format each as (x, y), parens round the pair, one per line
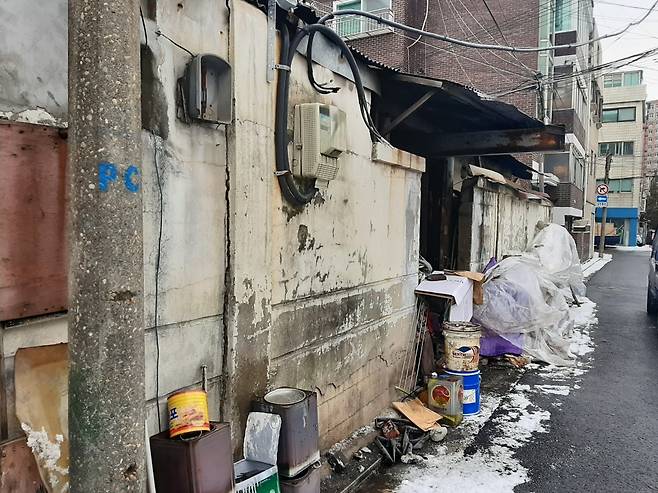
(108, 173)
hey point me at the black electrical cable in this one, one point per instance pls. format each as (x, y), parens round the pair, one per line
(332, 36)
(157, 282)
(146, 36)
(160, 33)
(289, 187)
(319, 87)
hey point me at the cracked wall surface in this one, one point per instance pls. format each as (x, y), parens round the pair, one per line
(335, 308)
(263, 293)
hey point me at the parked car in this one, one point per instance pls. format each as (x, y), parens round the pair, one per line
(652, 289)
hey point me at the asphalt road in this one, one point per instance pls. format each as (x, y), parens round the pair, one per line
(604, 436)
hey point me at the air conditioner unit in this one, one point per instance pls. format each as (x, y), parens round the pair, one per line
(319, 139)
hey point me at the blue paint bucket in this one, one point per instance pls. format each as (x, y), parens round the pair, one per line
(471, 390)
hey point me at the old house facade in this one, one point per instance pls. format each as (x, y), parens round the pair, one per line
(259, 292)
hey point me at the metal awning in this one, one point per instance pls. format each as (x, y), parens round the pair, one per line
(506, 162)
(435, 118)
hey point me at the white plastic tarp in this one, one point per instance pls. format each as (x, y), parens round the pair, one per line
(556, 251)
(520, 297)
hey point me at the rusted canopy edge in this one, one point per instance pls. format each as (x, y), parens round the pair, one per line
(548, 138)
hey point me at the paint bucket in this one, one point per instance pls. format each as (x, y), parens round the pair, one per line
(462, 346)
(471, 398)
(188, 413)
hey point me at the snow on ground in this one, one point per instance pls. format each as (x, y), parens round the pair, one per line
(495, 468)
(595, 264)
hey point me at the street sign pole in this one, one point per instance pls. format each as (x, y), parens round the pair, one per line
(604, 214)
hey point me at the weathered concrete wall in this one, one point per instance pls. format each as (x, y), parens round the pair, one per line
(33, 61)
(191, 160)
(494, 222)
(320, 298)
(335, 310)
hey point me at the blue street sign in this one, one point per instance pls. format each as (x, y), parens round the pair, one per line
(602, 200)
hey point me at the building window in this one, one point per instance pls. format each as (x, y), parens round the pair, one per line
(619, 115)
(354, 25)
(616, 148)
(623, 79)
(563, 15)
(619, 185)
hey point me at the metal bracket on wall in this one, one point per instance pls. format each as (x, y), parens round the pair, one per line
(271, 35)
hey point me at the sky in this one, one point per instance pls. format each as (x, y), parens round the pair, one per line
(614, 15)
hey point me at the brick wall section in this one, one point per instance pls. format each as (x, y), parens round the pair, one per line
(388, 47)
(488, 71)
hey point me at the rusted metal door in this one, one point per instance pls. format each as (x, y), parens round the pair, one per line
(33, 252)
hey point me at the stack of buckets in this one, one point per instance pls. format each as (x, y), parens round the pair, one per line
(462, 356)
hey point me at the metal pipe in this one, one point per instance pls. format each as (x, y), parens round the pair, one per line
(106, 272)
(604, 213)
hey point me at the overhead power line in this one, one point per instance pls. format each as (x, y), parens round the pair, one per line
(621, 5)
(461, 42)
(598, 69)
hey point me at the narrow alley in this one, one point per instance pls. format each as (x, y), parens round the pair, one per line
(313, 246)
(587, 428)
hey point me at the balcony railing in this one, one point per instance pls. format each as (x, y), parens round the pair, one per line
(356, 26)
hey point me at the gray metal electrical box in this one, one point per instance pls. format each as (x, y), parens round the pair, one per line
(207, 89)
(320, 137)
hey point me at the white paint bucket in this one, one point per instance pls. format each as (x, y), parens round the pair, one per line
(462, 346)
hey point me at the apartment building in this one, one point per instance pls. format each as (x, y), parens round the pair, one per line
(577, 105)
(622, 136)
(650, 155)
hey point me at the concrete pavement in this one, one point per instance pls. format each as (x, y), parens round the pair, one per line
(605, 435)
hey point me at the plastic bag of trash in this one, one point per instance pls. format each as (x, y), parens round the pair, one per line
(521, 298)
(556, 251)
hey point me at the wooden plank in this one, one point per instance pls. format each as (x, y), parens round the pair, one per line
(33, 253)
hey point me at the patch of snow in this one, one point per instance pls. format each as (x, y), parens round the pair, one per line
(47, 454)
(554, 389)
(595, 264)
(493, 469)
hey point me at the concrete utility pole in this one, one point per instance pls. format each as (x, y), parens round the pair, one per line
(604, 213)
(106, 314)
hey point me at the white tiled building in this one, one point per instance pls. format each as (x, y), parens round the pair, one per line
(622, 135)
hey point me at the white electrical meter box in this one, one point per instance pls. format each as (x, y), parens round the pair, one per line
(319, 139)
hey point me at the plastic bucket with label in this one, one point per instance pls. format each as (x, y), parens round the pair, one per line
(462, 346)
(471, 397)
